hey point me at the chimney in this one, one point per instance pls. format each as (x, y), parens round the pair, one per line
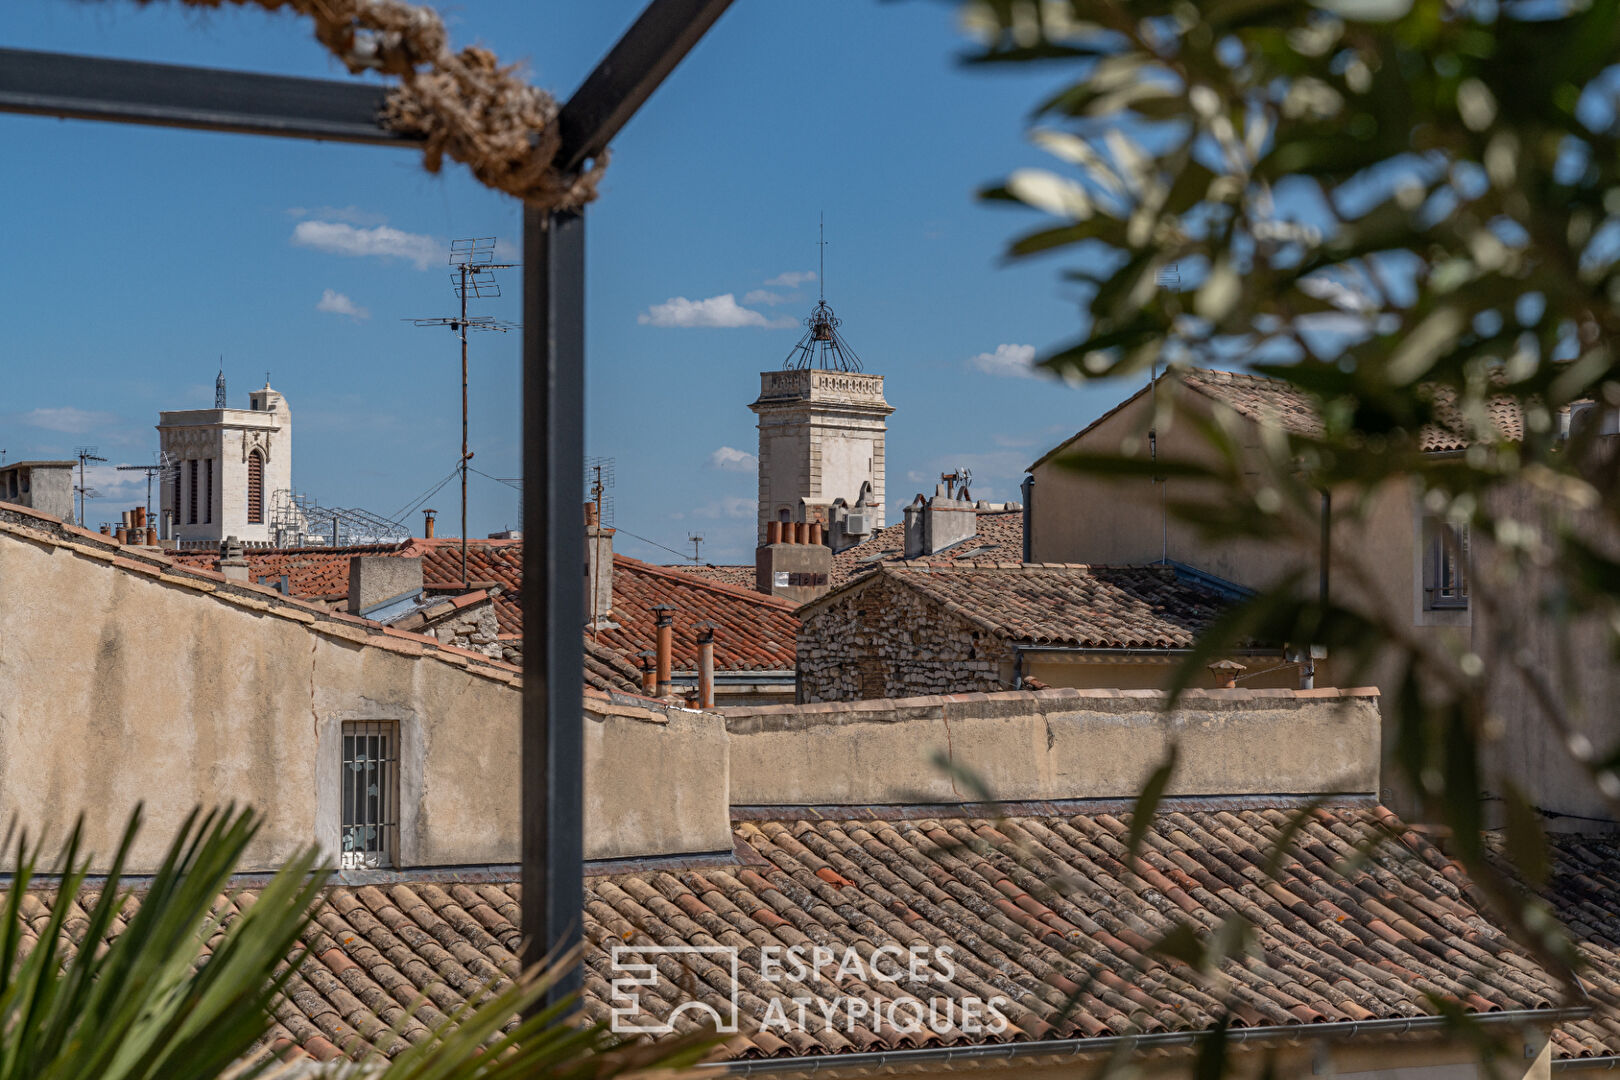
(151, 536)
(121, 535)
(1226, 673)
(232, 563)
(666, 642)
(427, 523)
(949, 518)
(649, 673)
(598, 572)
(379, 582)
(793, 562)
(705, 643)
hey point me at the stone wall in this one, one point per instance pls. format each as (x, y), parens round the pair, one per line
(474, 628)
(886, 641)
(1054, 744)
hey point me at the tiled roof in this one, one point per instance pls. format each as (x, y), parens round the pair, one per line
(312, 572)
(1584, 890)
(1034, 908)
(1092, 607)
(609, 670)
(1270, 401)
(1000, 538)
(740, 576)
(753, 632)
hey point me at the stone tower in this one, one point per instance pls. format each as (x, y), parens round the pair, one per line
(822, 422)
(231, 464)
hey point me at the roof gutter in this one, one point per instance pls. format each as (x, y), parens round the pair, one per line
(873, 1062)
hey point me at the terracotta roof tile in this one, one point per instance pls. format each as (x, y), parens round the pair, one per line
(741, 577)
(1092, 607)
(1035, 908)
(753, 632)
(1000, 537)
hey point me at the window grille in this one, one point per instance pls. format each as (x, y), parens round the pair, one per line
(208, 491)
(174, 507)
(191, 503)
(255, 492)
(1447, 566)
(370, 794)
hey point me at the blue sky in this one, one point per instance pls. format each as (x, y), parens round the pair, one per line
(136, 257)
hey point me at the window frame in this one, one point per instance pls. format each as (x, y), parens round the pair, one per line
(1445, 565)
(376, 812)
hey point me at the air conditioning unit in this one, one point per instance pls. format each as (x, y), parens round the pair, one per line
(855, 525)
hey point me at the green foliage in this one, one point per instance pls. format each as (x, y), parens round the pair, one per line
(181, 992)
(1410, 211)
(150, 1004)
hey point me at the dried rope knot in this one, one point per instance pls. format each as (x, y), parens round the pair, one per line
(465, 104)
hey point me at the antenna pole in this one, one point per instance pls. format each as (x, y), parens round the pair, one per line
(463, 291)
(821, 278)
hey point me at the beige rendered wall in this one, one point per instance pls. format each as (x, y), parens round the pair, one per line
(121, 687)
(1054, 744)
(1093, 519)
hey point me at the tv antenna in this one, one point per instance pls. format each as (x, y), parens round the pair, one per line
(85, 454)
(599, 476)
(473, 273)
(697, 539)
(166, 469)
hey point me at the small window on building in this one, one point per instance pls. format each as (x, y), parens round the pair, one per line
(208, 491)
(1445, 566)
(191, 503)
(255, 491)
(370, 794)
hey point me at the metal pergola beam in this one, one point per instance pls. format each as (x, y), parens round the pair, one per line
(553, 517)
(133, 92)
(205, 99)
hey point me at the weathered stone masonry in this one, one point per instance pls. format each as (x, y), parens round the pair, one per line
(885, 641)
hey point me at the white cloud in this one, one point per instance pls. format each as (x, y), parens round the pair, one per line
(730, 507)
(1017, 361)
(722, 311)
(380, 241)
(764, 296)
(792, 279)
(68, 420)
(339, 304)
(351, 214)
(730, 459)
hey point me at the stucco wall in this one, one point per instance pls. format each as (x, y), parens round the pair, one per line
(1054, 744)
(123, 685)
(1095, 519)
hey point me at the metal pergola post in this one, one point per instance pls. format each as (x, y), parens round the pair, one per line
(169, 95)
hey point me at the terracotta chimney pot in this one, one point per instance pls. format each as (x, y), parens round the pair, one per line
(1226, 673)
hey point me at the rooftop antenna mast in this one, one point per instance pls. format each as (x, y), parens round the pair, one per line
(697, 539)
(473, 271)
(821, 277)
(598, 478)
(166, 469)
(84, 454)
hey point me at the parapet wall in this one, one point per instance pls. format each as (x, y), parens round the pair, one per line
(1053, 744)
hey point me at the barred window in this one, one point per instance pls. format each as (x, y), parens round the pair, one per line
(255, 492)
(208, 491)
(370, 794)
(191, 482)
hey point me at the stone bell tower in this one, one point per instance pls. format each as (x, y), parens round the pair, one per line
(822, 422)
(229, 463)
